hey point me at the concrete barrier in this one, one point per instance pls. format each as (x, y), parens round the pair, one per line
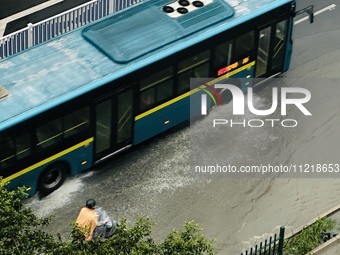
(323, 247)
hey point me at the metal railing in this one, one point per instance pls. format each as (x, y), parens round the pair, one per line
(273, 246)
(42, 31)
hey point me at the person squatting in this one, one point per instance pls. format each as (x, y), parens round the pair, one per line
(94, 221)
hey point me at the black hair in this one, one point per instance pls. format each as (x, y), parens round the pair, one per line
(90, 203)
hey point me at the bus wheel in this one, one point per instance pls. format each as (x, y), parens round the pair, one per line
(52, 178)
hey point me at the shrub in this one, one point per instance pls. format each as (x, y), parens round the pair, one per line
(22, 233)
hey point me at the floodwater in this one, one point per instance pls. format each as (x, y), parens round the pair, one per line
(155, 179)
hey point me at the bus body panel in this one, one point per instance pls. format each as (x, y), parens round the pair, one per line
(79, 158)
(161, 120)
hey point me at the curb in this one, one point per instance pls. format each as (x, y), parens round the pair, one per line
(323, 215)
(322, 247)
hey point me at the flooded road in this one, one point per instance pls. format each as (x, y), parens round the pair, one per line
(155, 178)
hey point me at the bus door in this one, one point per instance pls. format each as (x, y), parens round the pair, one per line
(271, 49)
(113, 124)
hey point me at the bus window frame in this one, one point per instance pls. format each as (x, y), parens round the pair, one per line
(272, 24)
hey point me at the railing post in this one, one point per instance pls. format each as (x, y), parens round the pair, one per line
(112, 6)
(61, 23)
(30, 34)
(2, 45)
(281, 240)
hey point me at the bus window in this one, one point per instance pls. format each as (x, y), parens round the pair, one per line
(164, 90)
(23, 145)
(194, 61)
(184, 82)
(154, 79)
(263, 52)
(76, 121)
(222, 54)
(7, 151)
(279, 43)
(202, 71)
(194, 67)
(147, 98)
(124, 116)
(243, 45)
(156, 88)
(103, 125)
(49, 133)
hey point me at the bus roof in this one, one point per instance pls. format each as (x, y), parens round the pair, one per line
(67, 66)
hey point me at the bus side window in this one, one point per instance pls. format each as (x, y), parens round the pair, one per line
(184, 82)
(7, 151)
(155, 88)
(202, 71)
(193, 67)
(147, 98)
(243, 45)
(279, 43)
(164, 90)
(49, 133)
(76, 121)
(222, 54)
(23, 145)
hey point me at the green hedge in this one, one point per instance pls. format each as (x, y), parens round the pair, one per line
(22, 233)
(309, 238)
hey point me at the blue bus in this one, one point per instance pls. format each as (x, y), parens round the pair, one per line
(85, 96)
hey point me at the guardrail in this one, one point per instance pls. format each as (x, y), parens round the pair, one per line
(42, 31)
(273, 246)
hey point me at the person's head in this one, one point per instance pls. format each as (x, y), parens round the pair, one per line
(90, 203)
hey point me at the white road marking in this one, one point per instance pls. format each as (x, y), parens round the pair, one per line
(3, 22)
(328, 8)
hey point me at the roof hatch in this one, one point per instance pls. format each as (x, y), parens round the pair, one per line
(148, 26)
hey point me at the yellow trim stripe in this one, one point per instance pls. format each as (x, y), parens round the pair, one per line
(142, 115)
(86, 142)
(49, 159)
(161, 106)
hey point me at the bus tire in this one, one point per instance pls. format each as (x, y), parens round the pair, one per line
(52, 178)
